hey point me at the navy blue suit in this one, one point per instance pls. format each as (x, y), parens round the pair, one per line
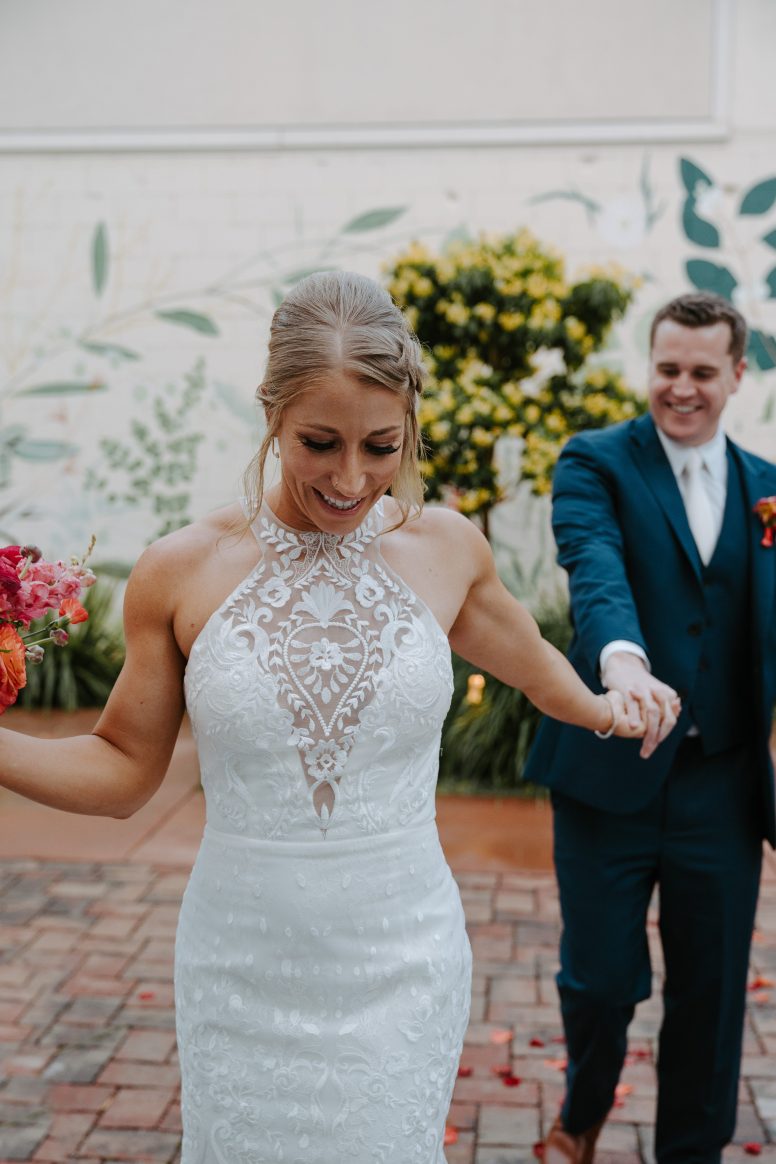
(692, 817)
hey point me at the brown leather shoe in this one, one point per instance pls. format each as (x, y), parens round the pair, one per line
(561, 1147)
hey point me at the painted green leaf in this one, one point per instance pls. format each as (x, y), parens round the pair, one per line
(770, 279)
(760, 198)
(11, 434)
(762, 350)
(569, 196)
(44, 450)
(697, 229)
(692, 175)
(770, 239)
(110, 350)
(711, 277)
(768, 411)
(238, 404)
(374, 219)
(100, 258)
(191, 319)
(64, 388)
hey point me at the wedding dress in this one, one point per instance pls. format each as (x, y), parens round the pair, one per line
(322, 967)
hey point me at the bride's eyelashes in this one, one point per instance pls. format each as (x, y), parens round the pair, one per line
(327, 446)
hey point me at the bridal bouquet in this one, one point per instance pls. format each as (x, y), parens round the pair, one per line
(29, 588)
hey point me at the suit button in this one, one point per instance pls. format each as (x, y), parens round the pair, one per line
(695, 629)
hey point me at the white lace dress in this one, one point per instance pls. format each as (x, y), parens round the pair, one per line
(322, 967)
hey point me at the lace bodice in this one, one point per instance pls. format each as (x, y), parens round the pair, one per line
(317, 691)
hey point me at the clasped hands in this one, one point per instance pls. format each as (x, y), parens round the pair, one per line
(643, 707)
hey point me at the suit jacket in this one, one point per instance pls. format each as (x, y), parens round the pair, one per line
(634, 573)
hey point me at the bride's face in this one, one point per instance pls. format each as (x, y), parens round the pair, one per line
(340, 446)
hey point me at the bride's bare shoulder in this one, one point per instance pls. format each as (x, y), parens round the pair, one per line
(438, 527)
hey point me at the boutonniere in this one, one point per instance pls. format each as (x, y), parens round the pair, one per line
(766, 511)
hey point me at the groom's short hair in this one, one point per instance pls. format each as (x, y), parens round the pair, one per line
(704, 309)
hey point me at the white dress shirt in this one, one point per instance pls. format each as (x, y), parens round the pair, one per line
(714, 456)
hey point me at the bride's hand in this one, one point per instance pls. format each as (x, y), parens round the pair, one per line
(621, 724)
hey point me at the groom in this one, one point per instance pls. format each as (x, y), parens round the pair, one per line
(673, 590)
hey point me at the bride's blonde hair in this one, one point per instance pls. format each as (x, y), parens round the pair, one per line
(340, 322)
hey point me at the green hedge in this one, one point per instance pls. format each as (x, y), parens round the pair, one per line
(485, 744)
(82, 673)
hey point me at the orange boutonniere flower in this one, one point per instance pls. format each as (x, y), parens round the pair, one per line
(766, 511)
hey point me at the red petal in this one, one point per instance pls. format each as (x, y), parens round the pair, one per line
(536, 1042)
(759, 983)
(538, 1149)
(753, 1148)
(451, 1135)
(511, 1080)
(464, 1072)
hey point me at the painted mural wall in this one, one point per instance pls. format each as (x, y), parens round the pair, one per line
(136, 289)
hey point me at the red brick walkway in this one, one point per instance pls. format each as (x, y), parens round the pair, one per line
(88, 1070)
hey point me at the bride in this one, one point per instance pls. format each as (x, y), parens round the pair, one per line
(322, 967)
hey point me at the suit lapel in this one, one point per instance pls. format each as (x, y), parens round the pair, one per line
(763, 573)
(658, 476)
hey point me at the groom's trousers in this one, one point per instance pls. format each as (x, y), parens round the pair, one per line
(699, 842)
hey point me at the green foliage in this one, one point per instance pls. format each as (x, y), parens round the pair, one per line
(158, 466)
(494, 314)
(485, 744)
(82, 673)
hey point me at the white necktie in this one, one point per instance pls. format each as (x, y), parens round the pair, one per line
(700, 514)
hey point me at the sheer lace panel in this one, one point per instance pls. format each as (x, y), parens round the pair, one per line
(336, 616)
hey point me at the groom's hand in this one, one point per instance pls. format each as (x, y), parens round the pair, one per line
(649, 704)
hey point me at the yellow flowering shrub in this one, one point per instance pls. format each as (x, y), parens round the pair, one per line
(487, 310)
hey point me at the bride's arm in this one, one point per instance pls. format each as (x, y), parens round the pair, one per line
(494, 631)
(117, 768)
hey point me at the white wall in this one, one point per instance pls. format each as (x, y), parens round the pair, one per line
(222, 231)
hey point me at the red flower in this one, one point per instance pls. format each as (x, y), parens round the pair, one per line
(766, 511)
(10, 557)
(13, 670)
(71, 608)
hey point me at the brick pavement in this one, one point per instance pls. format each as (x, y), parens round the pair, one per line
(88, 1068)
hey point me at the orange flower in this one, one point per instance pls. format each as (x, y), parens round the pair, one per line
(13, 671)
(71, 608)
(766, 511)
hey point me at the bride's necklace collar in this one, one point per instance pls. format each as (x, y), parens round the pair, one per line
(368, 528)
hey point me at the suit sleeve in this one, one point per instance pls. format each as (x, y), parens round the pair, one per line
(587, 517)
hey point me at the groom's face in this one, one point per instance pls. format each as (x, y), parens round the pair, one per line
(691, 378)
